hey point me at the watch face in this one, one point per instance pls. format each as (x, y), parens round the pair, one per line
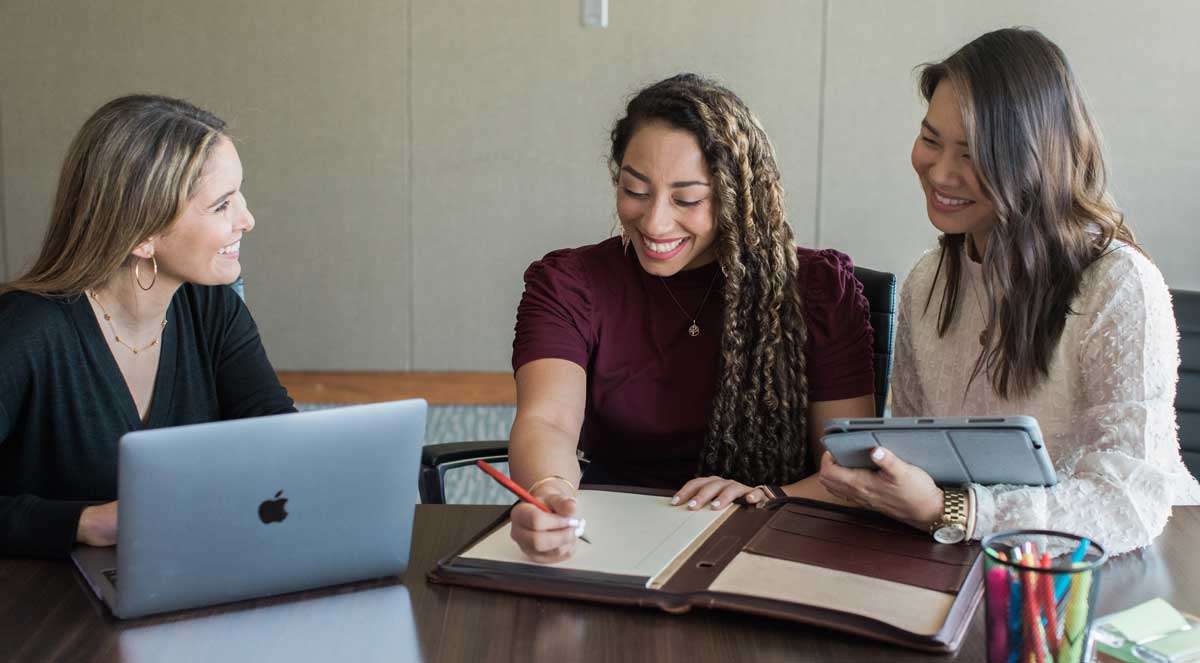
(949, 534)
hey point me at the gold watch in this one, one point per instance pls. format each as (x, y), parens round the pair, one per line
(952, 527)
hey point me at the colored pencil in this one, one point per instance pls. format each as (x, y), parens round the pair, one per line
(513, 488)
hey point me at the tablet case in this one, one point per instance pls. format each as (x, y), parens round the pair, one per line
(789, 535)
(954, 451)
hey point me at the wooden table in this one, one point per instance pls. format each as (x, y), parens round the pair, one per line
(47, 613)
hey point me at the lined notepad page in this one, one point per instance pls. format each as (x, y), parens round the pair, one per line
(636, 535)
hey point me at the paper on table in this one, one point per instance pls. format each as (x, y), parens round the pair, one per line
(631, 534)
(1178, 646)
(1147, 621)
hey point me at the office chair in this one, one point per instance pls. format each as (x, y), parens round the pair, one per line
(1187, 396)
(439, 459)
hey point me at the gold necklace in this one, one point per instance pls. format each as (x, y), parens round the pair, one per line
(979, 302)
(694, 330)
(116, 336)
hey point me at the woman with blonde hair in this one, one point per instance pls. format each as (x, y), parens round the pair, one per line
(1037, 302)
(699, 352)
(125, 320)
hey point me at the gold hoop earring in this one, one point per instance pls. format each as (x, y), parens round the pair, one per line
(138, 277)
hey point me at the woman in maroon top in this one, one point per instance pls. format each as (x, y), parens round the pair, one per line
(701, 351)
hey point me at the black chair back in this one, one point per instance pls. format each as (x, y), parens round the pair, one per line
(1187, 397)
(880, 290)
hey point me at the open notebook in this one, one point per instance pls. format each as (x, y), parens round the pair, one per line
(631, 535)
(795, 559)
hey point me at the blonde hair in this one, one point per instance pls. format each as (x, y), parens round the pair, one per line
(127, 176)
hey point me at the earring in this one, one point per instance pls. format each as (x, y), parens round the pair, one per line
(138, 277)
(624, 239)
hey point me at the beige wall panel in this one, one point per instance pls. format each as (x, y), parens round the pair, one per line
(3, 223)
(316, 95)
(512, 103)
(1136, 62)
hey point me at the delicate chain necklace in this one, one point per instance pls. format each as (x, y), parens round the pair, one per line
(694, 330)
(116, 336)
(979, 302)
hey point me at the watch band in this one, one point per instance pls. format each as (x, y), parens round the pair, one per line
(952, 526)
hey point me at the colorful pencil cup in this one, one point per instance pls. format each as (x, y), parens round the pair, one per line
(1039, 593)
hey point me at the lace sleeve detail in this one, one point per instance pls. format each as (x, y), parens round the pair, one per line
(1117, 486)
(908, 398)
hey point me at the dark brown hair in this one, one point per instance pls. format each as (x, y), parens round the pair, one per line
(756, 431)
(127, 176)
(1037, 155)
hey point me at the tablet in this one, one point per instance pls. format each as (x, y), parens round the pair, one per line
(955, 451)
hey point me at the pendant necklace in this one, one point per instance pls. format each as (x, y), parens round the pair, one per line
(694, 329)
(979, 302)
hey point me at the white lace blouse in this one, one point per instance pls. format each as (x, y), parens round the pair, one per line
(1106, 412)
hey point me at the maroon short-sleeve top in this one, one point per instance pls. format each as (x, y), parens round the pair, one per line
(650, 384)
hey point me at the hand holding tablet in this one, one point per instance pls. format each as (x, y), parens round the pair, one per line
(954, 451)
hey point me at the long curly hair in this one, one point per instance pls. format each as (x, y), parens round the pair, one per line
(756, 430)
(1037, 154)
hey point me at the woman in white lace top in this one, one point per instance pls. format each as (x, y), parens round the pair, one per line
(1036, 302)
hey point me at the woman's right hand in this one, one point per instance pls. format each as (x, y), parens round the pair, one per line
(98, 525)
(547, 538)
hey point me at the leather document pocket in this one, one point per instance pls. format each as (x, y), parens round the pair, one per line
(802, 534)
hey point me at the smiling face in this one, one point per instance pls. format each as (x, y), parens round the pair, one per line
(664, 200)
(954, 196)
(203, 244)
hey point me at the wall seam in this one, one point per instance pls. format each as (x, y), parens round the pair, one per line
(4, 245)
(408, 141)
(821, 124)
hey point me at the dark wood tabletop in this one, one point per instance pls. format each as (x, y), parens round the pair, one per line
(48, 614)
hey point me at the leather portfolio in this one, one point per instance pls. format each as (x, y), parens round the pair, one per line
(793, 559)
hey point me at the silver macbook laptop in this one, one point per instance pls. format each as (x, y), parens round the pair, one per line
(218, 512)
(368, 625)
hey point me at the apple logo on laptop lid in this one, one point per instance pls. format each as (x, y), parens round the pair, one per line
(272, 511)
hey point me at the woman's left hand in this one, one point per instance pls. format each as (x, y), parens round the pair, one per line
(897, 490)
(715, 493)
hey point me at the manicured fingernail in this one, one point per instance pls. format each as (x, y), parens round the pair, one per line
(716, 504)
(574, 522)
(878, 454)
(692, 504)
(675, 500)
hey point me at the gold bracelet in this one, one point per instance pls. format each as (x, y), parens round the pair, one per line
(552, 477)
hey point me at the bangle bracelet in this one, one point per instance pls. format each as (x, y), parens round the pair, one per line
(971, 506)
(552, 477)
(772, 492)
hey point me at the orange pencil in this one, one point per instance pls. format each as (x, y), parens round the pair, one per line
(1046, 586)
(513, 488)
